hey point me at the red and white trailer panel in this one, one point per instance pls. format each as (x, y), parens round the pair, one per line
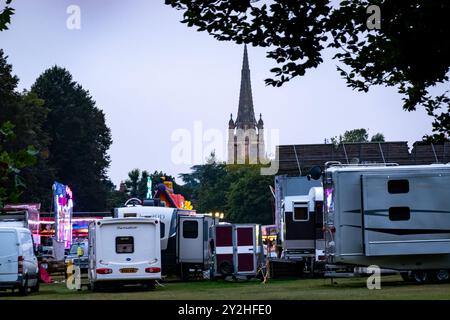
(238, 249)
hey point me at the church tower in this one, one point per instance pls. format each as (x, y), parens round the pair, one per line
(245, 135)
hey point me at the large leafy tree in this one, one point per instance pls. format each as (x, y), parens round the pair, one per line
(238, 191)
(249, 199)
(11, 164)
(411, 50)
(5, 15)
(79, 137)
(20, 118)
(208, 184)
(132, 183)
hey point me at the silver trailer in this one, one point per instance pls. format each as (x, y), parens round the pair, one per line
(394, 217)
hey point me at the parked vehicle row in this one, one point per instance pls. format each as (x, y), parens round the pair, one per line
(394, 217)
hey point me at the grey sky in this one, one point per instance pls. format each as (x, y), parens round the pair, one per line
(151, 75)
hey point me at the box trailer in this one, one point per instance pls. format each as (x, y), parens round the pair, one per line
(302, 227)
(124, 251)
(184, 238)
(394, 217)
(238, 250)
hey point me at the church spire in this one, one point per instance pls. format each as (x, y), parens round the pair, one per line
(246, 115)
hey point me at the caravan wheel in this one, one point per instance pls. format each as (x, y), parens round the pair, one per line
(406, 276)
(150, 285)
(95, 287)
(23, 290)
(441, 275)
(420, 277)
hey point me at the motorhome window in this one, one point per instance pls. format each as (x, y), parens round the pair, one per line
(190, 229)
(399, 213)
(301, 213)
(163, 229)
(398, 186)
(124, 244)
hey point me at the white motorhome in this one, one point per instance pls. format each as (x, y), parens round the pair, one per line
(184, 237)
(18, 263)
(394, 217)
(124, 251)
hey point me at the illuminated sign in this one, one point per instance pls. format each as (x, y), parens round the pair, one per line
(63, 202)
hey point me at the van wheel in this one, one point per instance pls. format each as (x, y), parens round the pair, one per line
(441, 275)
(35, 289)
(94, 287)
(150, 285)
(23, 290)
(420, 277)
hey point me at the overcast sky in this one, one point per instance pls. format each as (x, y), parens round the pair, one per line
(152, 76)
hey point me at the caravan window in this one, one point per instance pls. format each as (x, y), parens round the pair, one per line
(399, 213)
(190, 229)
(398, 186)
(124, 244)
(301, 213)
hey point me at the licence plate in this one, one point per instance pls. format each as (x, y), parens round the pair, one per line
(128, 270)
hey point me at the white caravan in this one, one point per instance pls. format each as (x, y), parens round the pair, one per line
(394, 217)
(124, 251)
(18, 263)
(185, 247)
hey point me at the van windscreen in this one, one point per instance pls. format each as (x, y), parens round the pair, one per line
(124, 244)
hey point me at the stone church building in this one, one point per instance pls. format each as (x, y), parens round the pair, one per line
(245, 134)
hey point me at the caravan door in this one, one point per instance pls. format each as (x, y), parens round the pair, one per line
(191, 243)
(246, 248)
(406, 213)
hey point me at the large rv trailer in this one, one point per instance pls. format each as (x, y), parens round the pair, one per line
(184, 237)
(394, 217)
(124, 251)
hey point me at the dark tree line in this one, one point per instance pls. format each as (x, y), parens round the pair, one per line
(60, 121)
(239, 191)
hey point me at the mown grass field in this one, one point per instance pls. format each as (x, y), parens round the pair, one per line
(392, 287)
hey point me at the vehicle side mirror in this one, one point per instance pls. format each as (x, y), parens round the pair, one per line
(315, 173)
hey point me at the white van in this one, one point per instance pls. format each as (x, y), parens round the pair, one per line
(18, 263)
(124, 251)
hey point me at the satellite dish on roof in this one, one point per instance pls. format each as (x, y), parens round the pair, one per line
(315, 173)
